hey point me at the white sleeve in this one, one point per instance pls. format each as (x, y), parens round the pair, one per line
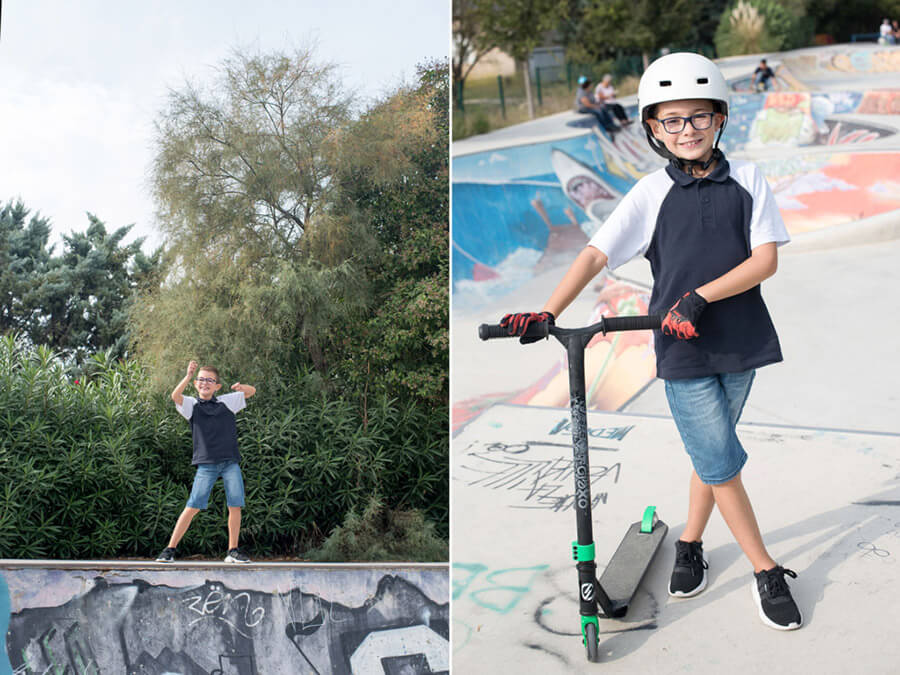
(766, 223)
(629, 229)
(187, 407)
(235, 401)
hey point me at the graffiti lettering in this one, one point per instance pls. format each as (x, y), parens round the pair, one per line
(211, 629)
(417, 646)
(541, 483)
(564, 426)
(498, 591)
(217, 605)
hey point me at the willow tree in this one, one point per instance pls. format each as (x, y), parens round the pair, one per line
(243, 171)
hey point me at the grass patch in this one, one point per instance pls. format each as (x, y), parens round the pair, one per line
(483, 111)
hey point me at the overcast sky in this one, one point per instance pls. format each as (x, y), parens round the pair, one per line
(81, 84)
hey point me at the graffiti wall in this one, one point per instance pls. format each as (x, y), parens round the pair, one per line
(219, 622)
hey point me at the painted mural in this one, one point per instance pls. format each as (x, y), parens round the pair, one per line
(618, 366)
(209, 623)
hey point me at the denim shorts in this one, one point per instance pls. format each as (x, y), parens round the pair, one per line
(205, 478)
(706, 412)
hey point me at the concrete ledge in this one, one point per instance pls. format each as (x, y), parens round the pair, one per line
(210, 564)
(880, 228)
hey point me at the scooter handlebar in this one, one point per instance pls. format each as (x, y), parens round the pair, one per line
(487, 331)
(617, 323)
(609, 324)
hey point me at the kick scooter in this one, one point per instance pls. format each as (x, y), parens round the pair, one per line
(611, 594)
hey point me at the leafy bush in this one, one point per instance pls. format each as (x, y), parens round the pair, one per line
(756, 26)
(99, 467)
(381, 533)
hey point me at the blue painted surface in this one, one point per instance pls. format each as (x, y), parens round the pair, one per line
(5, 608)
(493, 215)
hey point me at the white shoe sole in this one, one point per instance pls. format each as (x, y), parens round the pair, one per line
(229, 559)
(762, 615)
(164, 561)
(689, 594)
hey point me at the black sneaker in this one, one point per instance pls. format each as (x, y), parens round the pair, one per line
(167, 556)
(689, 574)
(777, 608)
(236, 555)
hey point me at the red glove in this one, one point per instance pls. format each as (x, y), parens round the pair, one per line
(517, 324)
(681, 321)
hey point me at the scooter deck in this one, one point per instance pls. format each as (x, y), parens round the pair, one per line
(629, 563)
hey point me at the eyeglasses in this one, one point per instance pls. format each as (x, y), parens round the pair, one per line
(208, 380)
(700, 122)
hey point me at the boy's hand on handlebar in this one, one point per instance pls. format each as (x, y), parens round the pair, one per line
(517, 324)
(681, 320)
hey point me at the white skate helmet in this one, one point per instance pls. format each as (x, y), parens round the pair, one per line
(676, 77)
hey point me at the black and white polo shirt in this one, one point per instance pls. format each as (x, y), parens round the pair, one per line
(213, 426)
(694, 230)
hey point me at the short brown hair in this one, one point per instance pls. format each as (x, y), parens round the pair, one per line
(209, 369)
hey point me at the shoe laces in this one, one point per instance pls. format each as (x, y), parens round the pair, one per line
(775, 582)
(689, 554)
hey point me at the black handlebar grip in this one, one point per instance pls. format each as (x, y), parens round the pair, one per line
(487, 331)
(538, 329)
(618, 323)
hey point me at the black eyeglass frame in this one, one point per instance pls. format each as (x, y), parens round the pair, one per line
(684, 120)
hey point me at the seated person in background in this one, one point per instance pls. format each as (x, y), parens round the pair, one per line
(585, 104)
(605, 93)
(886, 33)
(762, 76)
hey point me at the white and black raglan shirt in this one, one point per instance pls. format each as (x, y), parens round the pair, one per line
(694, 230)
(213, 426)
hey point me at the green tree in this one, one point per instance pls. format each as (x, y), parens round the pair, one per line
(645, 26)
(843, 18)
(243, 164)
(24, 258)
(244, 173)
(749, 26)
(517, 27)
(469, 41)
(396, 179)
(77, 301)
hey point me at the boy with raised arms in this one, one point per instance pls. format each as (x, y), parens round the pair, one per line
(214, 433)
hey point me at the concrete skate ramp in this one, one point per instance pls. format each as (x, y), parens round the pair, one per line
(827, 501)
(834, 63)
(216, 619)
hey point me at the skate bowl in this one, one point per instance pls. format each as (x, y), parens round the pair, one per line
(216, 619)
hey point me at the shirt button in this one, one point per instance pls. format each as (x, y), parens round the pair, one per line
(706, 200)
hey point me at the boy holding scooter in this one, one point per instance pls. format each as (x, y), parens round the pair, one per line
(216, 453)
(710, 229)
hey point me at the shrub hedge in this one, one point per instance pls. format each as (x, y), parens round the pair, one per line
(97, 467)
